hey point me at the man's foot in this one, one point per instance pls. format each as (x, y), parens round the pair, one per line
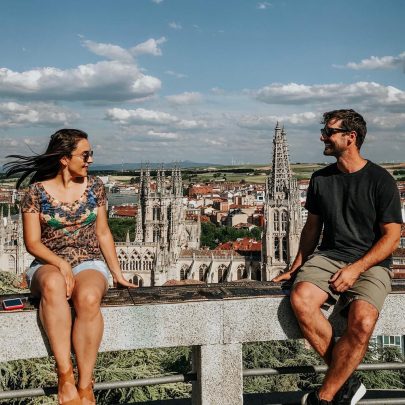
(312, 398)
(351, 392)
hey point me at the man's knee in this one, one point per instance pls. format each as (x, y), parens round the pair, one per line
(303, 299)
(362, 320)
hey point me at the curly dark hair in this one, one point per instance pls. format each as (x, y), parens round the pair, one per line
(46, 165)
(351, 120)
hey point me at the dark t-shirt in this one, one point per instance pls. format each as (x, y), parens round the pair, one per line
(352, 205)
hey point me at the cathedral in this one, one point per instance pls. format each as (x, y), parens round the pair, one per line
(13, 255)
(166, 247)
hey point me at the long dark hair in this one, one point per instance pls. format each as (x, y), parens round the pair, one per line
(46, 165)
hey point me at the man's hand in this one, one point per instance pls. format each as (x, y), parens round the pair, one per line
(344, 278)
(283, 276)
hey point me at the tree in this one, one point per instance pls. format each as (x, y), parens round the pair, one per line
(120, 226)
(212, 235)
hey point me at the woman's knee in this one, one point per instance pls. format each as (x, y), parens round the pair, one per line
(87, 301)
(52, 284)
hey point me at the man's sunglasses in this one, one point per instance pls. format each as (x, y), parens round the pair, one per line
(328, 132)
(85, 155)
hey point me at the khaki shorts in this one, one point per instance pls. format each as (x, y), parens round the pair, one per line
(372, 286)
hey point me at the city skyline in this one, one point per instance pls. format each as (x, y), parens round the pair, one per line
(172, 80)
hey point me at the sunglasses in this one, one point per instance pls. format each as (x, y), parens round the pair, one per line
(328, 132)
(85, 155)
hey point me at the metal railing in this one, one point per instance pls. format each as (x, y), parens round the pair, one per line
(190, 377)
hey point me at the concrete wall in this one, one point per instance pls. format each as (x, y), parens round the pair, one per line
(216, 329)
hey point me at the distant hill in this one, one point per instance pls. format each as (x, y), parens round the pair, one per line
(136, 166)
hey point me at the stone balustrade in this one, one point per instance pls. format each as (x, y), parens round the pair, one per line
(215, 320)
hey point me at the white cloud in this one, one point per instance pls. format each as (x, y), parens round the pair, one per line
(363, 93)
(388, 121)
(149, 47)
(175, 74)
(263, 5)
(109, 51)
(141, 116)
(40, 114)
(163, 135)
(175, 26)
(215, 142)
(185, 98)
(116, 52)
(268, 122)
(102, 81)
(157, 1)
(375, 62)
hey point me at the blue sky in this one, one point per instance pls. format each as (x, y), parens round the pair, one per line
(170, 80)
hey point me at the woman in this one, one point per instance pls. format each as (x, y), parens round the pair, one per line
(66, 230)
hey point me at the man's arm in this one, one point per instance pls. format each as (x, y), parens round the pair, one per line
(308, 241)
(343, 279)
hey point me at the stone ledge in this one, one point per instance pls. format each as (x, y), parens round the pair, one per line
(196, 316)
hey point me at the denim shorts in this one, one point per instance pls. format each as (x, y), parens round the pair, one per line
(97, 265)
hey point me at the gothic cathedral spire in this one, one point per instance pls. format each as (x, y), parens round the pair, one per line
(282, 211)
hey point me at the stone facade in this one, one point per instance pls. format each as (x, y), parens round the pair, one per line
(13, 255)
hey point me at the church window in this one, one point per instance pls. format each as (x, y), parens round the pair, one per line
(277, 253)
(135, 262)
(241, 273)
(283, 220)
(285, 250)
(183, 272)
(221, 273)
(202, 272)
(148, 261)
(156, 213)
(276, 221)
(123, 260)
(137, 281)
(156, 234)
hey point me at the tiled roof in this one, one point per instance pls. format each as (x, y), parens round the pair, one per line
(125, 211)
(207, 253)
(242, 245)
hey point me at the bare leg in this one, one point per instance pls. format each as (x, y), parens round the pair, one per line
(350, 349)
(306, 301)
(55, 315)
(90, 287)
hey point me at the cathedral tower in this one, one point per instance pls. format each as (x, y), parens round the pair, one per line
(282, 211)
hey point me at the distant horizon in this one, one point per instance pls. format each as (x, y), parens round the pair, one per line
(117, 167)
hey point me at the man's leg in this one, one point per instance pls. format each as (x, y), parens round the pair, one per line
(306, 301)
(350, 349)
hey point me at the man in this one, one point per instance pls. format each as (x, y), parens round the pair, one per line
(357, 204)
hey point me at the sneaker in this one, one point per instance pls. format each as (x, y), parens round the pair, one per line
(312, 398)
(351, 392)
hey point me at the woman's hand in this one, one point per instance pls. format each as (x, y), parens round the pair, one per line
(120, 281)
(66, 269)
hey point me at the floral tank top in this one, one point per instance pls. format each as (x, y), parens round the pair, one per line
(68, 229)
